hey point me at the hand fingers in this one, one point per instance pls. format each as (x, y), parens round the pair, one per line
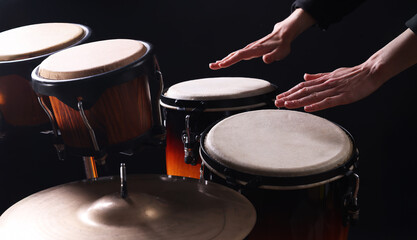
(309, 99)
(309, 77)
(300, 86)
(328, 102)
(276, 55)
(242, 54)
(216, 65)
(250, 51)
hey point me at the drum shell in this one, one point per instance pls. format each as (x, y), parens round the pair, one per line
(314, 213)
(122, 113)
(18, 102)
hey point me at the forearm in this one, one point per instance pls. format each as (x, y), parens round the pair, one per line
(393, 58)
(296, 23)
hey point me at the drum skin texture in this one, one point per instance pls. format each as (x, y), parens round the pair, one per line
(122, 113)
(18, 102)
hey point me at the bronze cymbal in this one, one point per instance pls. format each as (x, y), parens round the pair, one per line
(157, 207)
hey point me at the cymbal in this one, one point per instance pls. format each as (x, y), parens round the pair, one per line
(157, 207)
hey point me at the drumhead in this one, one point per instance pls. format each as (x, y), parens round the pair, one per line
(219, 88)
(38, 39)
(91, 59)
(277, 143)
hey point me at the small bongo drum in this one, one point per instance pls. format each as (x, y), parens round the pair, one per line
(191, 106)
(296, 168)
(101, 93)
(22, 49)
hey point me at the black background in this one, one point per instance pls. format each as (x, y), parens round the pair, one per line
(188, 35)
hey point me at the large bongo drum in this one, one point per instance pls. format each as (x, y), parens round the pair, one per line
(190, 107)
(22, 49)
(296, 168)
(101, 94)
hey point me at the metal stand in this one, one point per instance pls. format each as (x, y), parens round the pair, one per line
(90, 167)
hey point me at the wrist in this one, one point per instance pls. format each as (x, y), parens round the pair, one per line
(297, 23)
(375, 66)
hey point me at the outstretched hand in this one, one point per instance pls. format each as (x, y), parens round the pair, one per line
(274, 46)
(347, 85)
(326, 90)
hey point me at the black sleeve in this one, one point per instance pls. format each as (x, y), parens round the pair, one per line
(326, 12)
(412, 24)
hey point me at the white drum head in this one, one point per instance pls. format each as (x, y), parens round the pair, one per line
(38, 39)
(278, 143)
(91, 58)
(219, 88)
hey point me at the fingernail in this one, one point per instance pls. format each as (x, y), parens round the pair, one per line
(279, 102)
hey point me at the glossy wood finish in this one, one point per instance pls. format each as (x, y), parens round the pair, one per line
(175, 125)
(304, 214)
(122, 113)
(18, 102)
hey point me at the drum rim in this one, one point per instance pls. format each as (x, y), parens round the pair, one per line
(288, 182)
(218, 104)
(15, 66)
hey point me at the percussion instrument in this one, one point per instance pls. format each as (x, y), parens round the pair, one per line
(101, 94)
(22, 49)
(296, 168)
(190, 107)
(155, 207)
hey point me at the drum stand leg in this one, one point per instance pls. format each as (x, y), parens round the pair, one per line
(90, 167)
(90, 161)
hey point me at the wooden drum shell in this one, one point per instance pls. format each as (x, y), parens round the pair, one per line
(122, 113)
(315, 213)
(18, 103)
(175, 126)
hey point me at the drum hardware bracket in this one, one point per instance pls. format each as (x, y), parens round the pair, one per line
(123, 181)
(191, 143)
(350, 201)
(57, 141)
(87, 124)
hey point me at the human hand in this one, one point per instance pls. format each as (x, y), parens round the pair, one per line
(274, 46)
(347, 85)
(326, 90)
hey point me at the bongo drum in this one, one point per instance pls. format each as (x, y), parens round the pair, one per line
(101, 94)
(22, 49)
(190, 107)
(296, 168)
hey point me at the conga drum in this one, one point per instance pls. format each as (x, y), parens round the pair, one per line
(297, 169)
(22, 49)
(190, 107)
(101, 94)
